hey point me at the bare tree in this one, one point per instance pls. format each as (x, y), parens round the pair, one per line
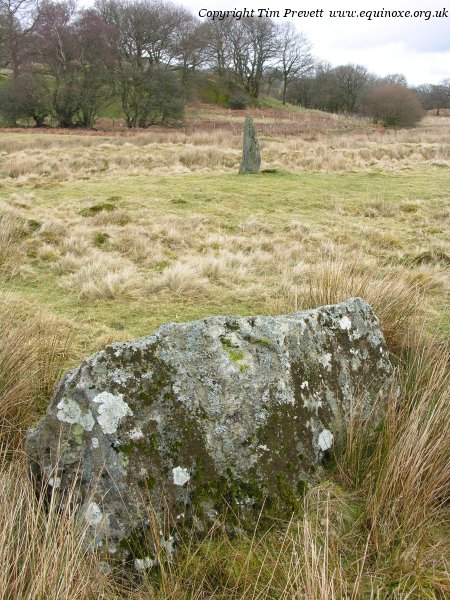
(350, 83)
(56, 46)
(301, 91)
(435, 97)
(254, 48)
(149, 97)
(396, 79)
(148, 29)
(190, 47)
(295, 59)
(26, 96)
(320, 90)
(218, 51)
(97, 53)
(78, 51)
(19, 19)
(151, 34)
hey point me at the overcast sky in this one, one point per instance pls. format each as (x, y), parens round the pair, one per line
(417, 47)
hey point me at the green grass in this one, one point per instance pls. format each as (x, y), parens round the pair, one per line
(228, 201)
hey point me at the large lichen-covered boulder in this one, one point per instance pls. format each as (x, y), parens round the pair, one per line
(251, 156)
(225, 410)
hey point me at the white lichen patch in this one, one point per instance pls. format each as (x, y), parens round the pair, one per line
(168, 545)
(312, 425)
(93, 515)
(180, 475)
(119, 376)
(104, 567)
(111, 411)
(220, 430)
(325, 360)
(142, 564)
(355, 335)
(312, 403)
(345, 323)
(70, 412)
(356, 363)
(325, 440)
(136, 434)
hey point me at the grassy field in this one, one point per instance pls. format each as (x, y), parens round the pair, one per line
(104, 237)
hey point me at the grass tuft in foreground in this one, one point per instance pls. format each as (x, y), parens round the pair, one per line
(33, 351)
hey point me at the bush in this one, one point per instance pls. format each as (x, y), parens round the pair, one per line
(394, 105)
(238, 101)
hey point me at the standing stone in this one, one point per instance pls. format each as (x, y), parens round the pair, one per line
(226, 411)
(251, 157)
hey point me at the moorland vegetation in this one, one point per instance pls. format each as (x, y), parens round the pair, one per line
(105, 236)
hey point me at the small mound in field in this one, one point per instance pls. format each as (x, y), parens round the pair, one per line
(96, 208)
(431, 258)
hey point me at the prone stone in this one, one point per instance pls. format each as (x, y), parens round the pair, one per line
(224, 410)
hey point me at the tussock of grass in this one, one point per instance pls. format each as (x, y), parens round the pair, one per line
(12, 230)
(396, 300)
(42, 549)
(198, 157)
(103, 278)
(90, 211)
(180, 280)
(400, 467)
(33, 351)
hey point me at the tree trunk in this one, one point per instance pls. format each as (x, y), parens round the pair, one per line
(285, 84)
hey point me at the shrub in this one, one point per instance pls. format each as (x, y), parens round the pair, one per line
(238, 101)
(394, 105)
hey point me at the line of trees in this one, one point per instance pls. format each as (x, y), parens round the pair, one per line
(351, 88)
(71, 63)
(346, 88)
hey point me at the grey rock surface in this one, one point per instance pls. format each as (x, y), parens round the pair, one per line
(237, 410)
(251, 156)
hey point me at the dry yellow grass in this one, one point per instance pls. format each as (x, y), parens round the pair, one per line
(34, 348)
(42, 549)
(31, 158)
